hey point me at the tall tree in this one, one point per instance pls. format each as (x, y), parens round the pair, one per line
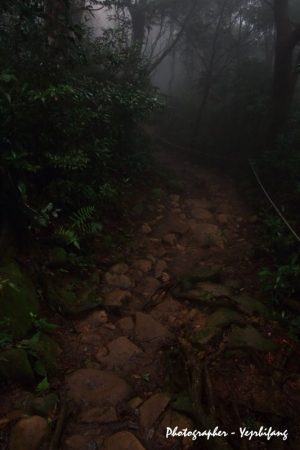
(285, 74)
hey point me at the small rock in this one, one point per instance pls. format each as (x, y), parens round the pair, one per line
(253, 219)
(118, 281)
(96, 388)
(28, 434)
(121, 354)
(170, 239)
(99, 415)
(159, 218)
(201, 214)
(148, 329)
(239, 219)
(143, 264)
(122, 441)
(148, 285)
(152, 409)
(77, 442)
(117, 297)
(206, 235)
(225, 218)
(175, 197)
(119, 269)
(160, 267)
(179, 227)
(134, 403)
(146, 229)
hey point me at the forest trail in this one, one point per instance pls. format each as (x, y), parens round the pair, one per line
(182, 319)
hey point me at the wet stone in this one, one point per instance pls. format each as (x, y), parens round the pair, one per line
(122, 441)
(118, 281)
(148, 329)
(119, 269)
(28, 434)
(206, 235)
(152, 409)
(96, 388)
(160, 267)
(99, 415)
(117, 297)
(146, 229)
(122, 353)
(201, 214)
(170, 239)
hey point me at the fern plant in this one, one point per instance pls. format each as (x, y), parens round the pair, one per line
(83, 221)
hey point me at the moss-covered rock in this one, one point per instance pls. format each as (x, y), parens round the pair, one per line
(14, 366)
(251, 304)
(201, 274)
(17, 300)
(158, 193)
(48, 352)
(58, 254)
(213, 290)
(207, 336)
(222, 318)
(250, 337)
(175, 186)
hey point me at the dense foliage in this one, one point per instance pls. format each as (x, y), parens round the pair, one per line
(70, 108)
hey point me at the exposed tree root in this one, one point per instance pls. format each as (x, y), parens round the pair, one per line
(199, 385)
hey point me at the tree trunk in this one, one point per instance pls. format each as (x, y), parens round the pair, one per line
(284, 75)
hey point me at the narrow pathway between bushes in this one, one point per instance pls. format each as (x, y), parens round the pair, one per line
(184, 342)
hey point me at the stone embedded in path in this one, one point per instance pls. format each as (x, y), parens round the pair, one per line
(148, 285)
(150, 331)
(225, 218)
(152, 409)
(170, 239)
(146, 229)
(143, 264)
(99, 415)
(96, 388)
(178, 226)
(77, 442)
(171, 420)
(92, 322)
(122, 354)
(28, 434)
(201, 214)
(160, 267)
(175, 197)
(206, 235)
(122, 441)
(118, 281)
(202, 203)
(213, 289)
(117, 297)
(119, 269)
(126, 325)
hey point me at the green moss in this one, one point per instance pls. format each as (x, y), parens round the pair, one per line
(175, 186)
(158, 193)
(14, 366)
(18, 299)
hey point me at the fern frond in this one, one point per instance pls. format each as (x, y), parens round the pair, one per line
(82, 216)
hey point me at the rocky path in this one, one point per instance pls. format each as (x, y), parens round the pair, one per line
(184, 339)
